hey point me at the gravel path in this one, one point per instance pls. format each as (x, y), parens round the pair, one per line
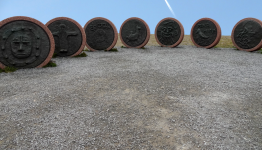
(153, 98)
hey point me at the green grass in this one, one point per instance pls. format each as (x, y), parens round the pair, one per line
(50, 64)
(112, 50)
(54, 55)
(85, 49)
(13, 69)
(260, 51)
(140, 48)
(83, 54)
(8, 69)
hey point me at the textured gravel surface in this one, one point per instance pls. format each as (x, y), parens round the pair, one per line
(153, 98)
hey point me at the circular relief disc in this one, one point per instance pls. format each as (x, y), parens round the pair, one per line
(205, 33)
(169, 32)
(69, 36)
(247, 34)
(101, 34)
(25, 43)
(134, 32)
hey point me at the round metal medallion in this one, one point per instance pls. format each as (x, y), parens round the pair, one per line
(68, 35)
(205, 33)
(247, 34)
(134, 32)
(25, 43)
(101, 34)
(169, 32)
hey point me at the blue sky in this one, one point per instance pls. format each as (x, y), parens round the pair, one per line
(226, 12)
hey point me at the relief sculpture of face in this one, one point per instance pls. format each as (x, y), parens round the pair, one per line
(167, 31)
(21, 45)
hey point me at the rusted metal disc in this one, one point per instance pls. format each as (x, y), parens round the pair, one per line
(134, 32)
(25, 43)
(169, 32)
(101, 34)
(69, 36)
(247, 34)
(205, 33)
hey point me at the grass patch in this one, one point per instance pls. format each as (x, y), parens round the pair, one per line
(50, 64)
(8, 69)
(87, 50)
(112, 50)
(13, 69)
(54, 55)
(225, 42)
(83, 54)
(140, 48)
(260, 51)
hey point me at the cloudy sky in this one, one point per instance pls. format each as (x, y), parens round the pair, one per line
(226, 12)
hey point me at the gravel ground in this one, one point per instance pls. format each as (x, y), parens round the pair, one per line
(153, 98)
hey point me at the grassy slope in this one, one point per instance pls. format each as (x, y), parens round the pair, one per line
(225, 41)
